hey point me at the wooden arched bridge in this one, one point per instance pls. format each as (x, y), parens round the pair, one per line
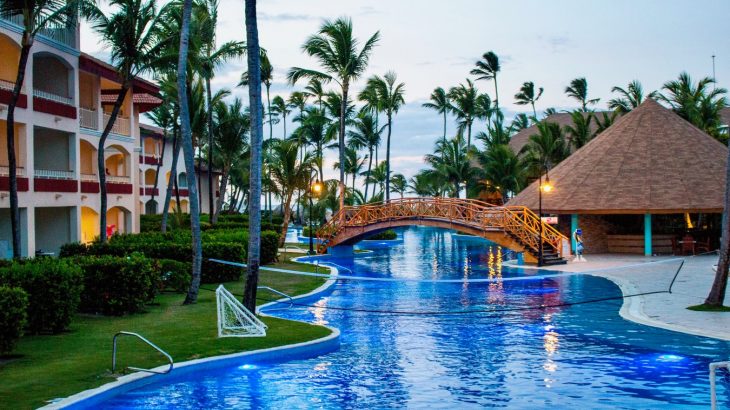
(513, 227)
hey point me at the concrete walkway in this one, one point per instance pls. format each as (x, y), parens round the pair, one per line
(664, 310)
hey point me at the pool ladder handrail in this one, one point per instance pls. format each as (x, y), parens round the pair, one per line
(713, 388)
(142, 338)
(282, 294)
(336, 266)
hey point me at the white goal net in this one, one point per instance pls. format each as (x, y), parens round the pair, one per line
(234, 320)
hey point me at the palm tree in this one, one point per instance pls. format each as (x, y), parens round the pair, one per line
(335, 47)
(578, 90)
(391, 98)
(496, 134)
(354, 164)
(487, 69)
(449, 160)
(716, 297)
(37, 16)
(463, 105)
(372, 105)
(188, 151)
(604, 121)
(168, 89)
(232, 127)
(399, 184)
(315, 89)
(579, 132)
(501, 170)
(426, 183)
(365, 135)
(527, 95)
(377, 177)
(485, 110)
(290, 175)
(520, 122)
(163, 117)
(132, 34)
(629, 98)
(313, 130)
(696, 103)
(545, 149)
(440, 102)
(281, 108)
(211, 58)
(257, 130)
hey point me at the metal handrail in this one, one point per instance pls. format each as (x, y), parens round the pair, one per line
(142, 338)
(272, 290)
(338, 267)
(713, 388)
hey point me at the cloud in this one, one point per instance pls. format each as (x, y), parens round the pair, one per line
(557, 43)
(286, 17)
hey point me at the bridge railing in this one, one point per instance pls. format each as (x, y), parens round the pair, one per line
(519, 222)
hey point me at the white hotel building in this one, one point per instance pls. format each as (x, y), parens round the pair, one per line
(65, 101)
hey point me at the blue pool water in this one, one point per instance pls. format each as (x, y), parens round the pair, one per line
(580, 356)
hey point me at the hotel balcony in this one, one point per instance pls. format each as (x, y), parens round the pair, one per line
(20, 158)
(10, 51)
(53, 85)
(89, 119)
(121, 125)
(65, 35)
(54, 161)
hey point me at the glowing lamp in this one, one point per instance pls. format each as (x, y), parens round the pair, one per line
(546, 186)
(317, 187)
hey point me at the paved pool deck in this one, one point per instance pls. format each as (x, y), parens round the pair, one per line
(664, 310)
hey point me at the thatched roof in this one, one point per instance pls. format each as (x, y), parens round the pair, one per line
(648, 161)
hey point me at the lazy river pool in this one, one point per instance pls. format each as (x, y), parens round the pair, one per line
(579, 356)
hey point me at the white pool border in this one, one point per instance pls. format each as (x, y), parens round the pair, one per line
(94, 397)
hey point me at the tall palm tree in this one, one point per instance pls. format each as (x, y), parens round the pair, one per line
(604, 121)
(496, 134)
(716, 297)
(365, 134)
(628, 98)
(520, 122)
(399, 184)
(231, 130)
(372, 105)
(485, 110)
(315, 88)
(578, 90)
(697, 103)
(188, 151)
(211, 58)
(163, 117)
(439, 101)
(335, 47)
(313, 130)
(257, 130)
(391, 96)
(501, 171)
(464, 105)
(579, 132)
(487, 69)
(377, 177)
(132, 34)
(354, 164)
(37, 15)
(527, 95)
(168, 89)
(545, 149)
(281, 108)
(449, 160)
(290, 175)
(426, 183)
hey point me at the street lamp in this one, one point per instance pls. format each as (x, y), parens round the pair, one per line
(314, 189)
(546, 187)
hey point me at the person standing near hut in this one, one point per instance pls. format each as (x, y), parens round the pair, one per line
(578, 238)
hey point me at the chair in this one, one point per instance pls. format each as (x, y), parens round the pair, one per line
(688, 244)
(703, 246)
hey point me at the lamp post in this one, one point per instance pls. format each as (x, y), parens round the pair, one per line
(542, 187)
(315, 188)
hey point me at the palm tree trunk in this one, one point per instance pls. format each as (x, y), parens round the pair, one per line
(387, 158)
(209, 99)
(719, 285)
(172, 181)
(219, 201)
(254, 203)
(341, 140)
(10, 134)
(534, 113)
(444, 126)
(188, 153)
(287, 216)
(319, 161)
(100, 159)
(271, 136)
(159, 165)
(367, 179)
(496, 92)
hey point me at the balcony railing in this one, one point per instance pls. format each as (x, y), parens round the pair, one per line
(121, 125)
(53, 174)
(5, 171)
(113, 179)
(89, 178)
(7, 85)
(88, 119)
(63, 35)
(53, 97)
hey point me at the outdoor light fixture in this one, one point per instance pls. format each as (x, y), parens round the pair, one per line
(315, 189)
(547, 187)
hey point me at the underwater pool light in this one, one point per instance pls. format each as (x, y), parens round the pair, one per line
(248, 367)
(669, 358)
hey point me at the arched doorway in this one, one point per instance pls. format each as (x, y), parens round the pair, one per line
(89, 224)
(118, 220)
(150, 207)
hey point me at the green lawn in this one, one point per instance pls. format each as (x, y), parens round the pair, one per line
(47, 367)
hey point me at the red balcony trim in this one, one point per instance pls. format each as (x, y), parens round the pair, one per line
(55, 185)
(88, 187)
(152, 191)
(183, 192)
(119, 188)
(6, 96)
(141, 191)
(54, 108)
(22, 184)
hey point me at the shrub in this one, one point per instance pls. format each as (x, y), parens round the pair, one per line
(306, 232)
(13, 306)
(213, 272)
(175, 275)
(269, 247)
(118, 285)
(73, 249)
(53, 287)
(388, 235)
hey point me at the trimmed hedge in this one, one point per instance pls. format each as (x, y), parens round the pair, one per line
(13, 306)
(115, 286)
(54, 288)
(175, 275)
(387, 235)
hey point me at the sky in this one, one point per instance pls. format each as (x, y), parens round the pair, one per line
(432, 43)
